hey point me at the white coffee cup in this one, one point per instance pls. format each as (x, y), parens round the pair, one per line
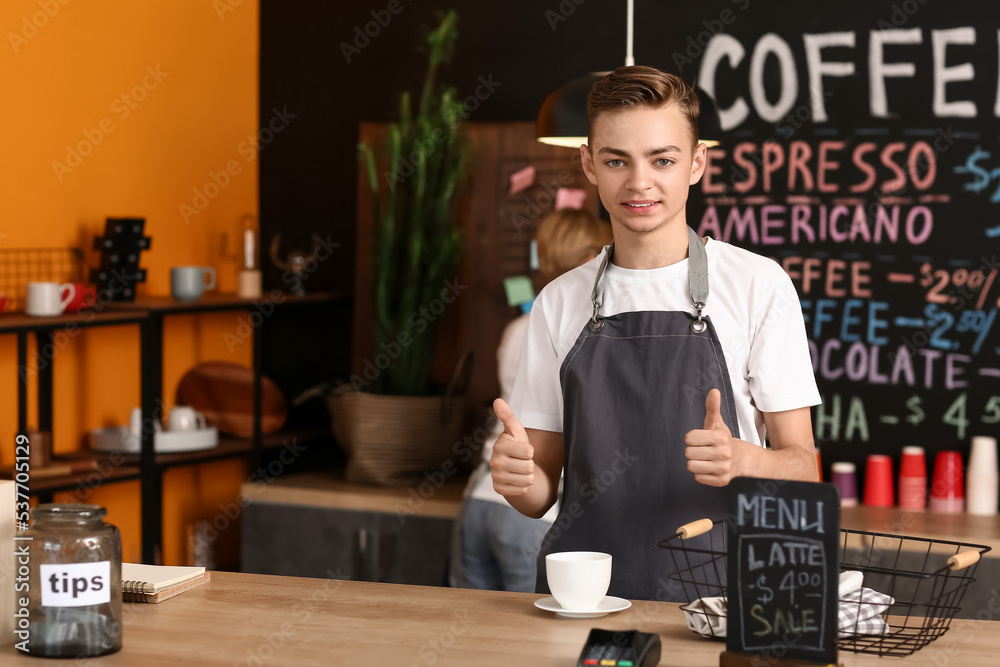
(45, 299)
(188, 282)
(578, 580)
(184, 418)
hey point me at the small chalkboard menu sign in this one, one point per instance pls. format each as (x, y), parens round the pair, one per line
(783, 569)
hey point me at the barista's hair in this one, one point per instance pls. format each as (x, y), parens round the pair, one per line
(567, 238)
(638, 87)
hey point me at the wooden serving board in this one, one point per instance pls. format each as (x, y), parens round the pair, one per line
(223, 392)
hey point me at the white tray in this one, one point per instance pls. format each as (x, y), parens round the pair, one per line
(120, 439)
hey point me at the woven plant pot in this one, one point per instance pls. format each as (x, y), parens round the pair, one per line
(393, 440)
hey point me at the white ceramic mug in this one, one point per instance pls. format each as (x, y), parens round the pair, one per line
(578, 580)
(184, 418)
(188, 282)
(45, 299)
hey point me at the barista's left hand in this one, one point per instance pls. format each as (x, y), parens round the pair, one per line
(714, 455)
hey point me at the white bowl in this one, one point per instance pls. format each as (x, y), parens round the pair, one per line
(121, 439)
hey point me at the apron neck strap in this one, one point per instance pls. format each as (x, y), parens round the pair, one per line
(697, 278)
(697, 282)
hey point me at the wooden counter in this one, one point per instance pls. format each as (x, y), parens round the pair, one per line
(966, 528)
(255, 620)
(330, 489)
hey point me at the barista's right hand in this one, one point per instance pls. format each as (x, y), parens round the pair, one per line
(512, 463)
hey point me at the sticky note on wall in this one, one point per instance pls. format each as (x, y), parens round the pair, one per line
(570, 198)
(518, 289)
(522, 180)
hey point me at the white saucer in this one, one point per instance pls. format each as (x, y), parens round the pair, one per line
(121, 439)
(608, 605)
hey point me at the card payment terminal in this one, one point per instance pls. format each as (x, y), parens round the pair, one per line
(620, 648)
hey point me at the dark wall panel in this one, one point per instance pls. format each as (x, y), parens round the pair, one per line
(907, 131)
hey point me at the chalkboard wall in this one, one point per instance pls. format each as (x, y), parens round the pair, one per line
(860, 151)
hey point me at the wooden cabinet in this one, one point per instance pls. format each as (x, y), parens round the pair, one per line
(345, 544)
(318, 525)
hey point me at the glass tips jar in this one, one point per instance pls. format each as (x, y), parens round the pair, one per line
(75, 595)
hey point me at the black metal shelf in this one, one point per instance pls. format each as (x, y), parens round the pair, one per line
(229, 447)
(148, 467)
(75, 481)
(232, 447)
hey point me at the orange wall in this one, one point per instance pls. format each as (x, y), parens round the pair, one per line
(191, 75)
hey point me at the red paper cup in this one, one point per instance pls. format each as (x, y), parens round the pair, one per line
(913, 479)
(913, 463)
(878, 482)
(948, 487)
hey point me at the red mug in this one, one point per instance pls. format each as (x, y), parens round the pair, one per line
(84, 296)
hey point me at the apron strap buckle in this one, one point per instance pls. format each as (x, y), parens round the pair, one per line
(596, 321)
(699, 325)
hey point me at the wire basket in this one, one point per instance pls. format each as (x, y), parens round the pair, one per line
(925, 578)
(20, 266)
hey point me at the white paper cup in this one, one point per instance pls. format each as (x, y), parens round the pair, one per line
(982, 483)
(578, 580)
(983, 456)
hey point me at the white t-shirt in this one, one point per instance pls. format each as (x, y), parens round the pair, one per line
(508, 356)
(752, 304)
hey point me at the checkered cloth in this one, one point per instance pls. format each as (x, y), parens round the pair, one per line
(860, 613)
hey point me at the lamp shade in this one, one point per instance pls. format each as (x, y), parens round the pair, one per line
(562, 120)
(709, 125)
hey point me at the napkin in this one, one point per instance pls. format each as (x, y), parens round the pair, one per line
(860, 613)
(707, 616)
(859, 610)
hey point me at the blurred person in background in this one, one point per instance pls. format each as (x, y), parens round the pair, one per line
(495, 546)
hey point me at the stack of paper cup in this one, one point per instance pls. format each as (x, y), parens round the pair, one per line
(878, 481)
(844, 479)
(913, 480)
(983, 477)
(948, 487)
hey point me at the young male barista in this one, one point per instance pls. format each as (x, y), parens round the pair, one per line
(653, 371)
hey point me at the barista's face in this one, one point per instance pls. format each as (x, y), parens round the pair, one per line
(643, 161)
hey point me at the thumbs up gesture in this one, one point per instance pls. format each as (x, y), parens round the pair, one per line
(512, 463)
(713, 453)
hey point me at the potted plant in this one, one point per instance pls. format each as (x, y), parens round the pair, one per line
(392, 425)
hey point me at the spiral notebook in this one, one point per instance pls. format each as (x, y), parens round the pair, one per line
(156, 583)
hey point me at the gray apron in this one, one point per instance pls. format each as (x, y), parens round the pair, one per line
(633, 385)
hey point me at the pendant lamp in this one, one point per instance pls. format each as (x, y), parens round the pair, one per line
(562, 120)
